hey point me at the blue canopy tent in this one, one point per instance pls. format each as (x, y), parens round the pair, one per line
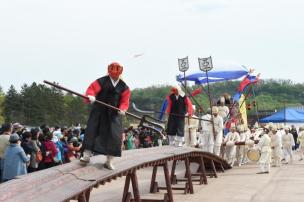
(217, 74)
(221, 72)
(287, 115)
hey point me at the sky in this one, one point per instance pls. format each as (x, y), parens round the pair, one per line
(72, 41)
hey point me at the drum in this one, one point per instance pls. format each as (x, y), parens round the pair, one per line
(253, 154)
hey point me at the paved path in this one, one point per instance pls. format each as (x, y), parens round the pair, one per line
(240, 184)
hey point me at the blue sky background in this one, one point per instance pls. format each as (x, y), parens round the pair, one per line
(72, 41)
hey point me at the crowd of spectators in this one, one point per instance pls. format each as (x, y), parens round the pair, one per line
(25, 150)
(28, 149)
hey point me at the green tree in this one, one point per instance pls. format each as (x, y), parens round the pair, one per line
(13, 106)
(76, 111)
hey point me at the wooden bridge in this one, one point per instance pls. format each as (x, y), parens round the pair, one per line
(74, 181)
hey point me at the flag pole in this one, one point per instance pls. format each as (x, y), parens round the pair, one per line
(207, 66)
(184, 68)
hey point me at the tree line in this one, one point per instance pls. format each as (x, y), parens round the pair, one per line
(38, 104)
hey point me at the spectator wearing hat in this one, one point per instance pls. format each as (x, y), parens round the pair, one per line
(18, 128)
(4, 143)
(15, 159)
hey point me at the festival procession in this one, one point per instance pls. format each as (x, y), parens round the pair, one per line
(90, 119)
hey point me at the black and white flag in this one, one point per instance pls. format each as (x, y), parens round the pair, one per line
(183, 64)
(205, 64)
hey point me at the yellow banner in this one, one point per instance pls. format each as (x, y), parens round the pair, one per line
(243, 110)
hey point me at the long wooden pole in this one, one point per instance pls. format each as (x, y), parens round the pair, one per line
(188, 119)
(86, 97)
(210, 104)
(105, 104)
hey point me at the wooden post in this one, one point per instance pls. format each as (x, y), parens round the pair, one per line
(173, 177)
(188, 172)
(152, 186)
(203, 170)
(168, 183)
(135, 186)
(126, 188)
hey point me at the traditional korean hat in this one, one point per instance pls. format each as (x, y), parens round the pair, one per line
(280, 126)
(256, 125)
(240, 128)
(233, 126)
(270, 125)
(215, 110)
(274, 128)
(266, 126)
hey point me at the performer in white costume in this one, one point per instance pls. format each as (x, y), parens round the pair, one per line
(276, 146)
(218, 129)
(230, 140)
(301, 142)
(288, 143)
(223, 110)
(207, 137)
(242, 149)
(191, 127)
(265, 149)
(281, 133)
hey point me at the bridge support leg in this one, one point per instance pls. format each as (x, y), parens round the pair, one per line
(202, 171)
(189, 177)
(126, 194)
(222, 168)
(154, 184)
(135, 186)
(173, 176)
(213, 169)
(85, 196)
(168, 182)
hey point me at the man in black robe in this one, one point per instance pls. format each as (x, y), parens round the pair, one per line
(178, 106)
(104, 129)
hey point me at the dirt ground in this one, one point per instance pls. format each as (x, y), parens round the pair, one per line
(240, 184)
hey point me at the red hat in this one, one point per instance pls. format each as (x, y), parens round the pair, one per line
(115, 70)
(174, 90)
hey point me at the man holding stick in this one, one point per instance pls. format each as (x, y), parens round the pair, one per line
(104, 128)
(179, 105)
